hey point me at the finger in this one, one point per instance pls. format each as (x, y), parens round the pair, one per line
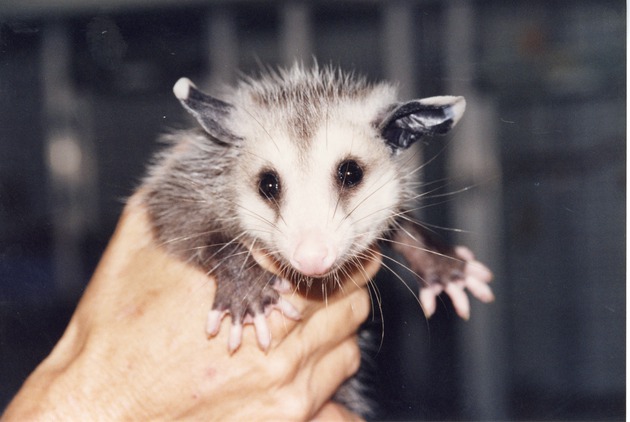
(325, 322)
(342, 317)
(459, 299)
(328, 327)
(265, 260)
(331, 369)
(360, 275)
(369, 266)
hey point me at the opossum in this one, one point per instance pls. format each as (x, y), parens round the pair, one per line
(313, 166)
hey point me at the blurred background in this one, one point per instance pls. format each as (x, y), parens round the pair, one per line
(85, 89)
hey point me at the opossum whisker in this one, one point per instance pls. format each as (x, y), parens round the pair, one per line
(429, 205)
(258, 216)
(373, 291)
(325, 294)
(404, 215)
(187, 237)
(426, 194)
(431, 194)
(342, 273)
(375, 212)
(364, 199)
(209, 208)
(406, 267)
(430, 160)
(222, 261)
(396, 275)
(200, 248)
(421, 248)
(358, 258)
(424, 184)
(402, 228)
(335, 277)
(430, 227)
(223, 246)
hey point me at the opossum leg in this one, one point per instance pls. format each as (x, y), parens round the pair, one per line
(442, 268)
(248, 293)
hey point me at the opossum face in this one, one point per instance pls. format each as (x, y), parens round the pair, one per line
(315, 202)
(322, 169)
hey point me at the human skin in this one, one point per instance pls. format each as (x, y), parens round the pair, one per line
(136, 349)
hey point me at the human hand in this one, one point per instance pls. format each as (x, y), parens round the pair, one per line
(135, 347)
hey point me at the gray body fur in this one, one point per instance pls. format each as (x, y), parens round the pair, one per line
(203, 192)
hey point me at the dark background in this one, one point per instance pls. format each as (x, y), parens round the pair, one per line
(85, 89)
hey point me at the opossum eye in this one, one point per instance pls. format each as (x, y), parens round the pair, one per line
(349, 173)
(269, 185)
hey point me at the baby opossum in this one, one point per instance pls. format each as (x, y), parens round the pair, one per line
(311, 166)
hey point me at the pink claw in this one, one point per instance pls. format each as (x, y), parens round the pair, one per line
(427, 299)
(236, 334)
(479, 289)
(213, 322)
(459, 299)
(263, 334)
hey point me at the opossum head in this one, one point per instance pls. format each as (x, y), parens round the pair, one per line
(323, 164)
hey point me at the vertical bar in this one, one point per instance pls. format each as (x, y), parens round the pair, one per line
(296, 34)
(223, 51)
(475, 159)
(71, 180)
(398, 51)
(399, 67)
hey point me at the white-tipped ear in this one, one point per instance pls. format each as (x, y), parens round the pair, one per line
(410, 121)
(181, 89)
(209, 112)
(453, 106)
(458, 107)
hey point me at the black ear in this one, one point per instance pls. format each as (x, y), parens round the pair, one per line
(209, 112)
(409, 122)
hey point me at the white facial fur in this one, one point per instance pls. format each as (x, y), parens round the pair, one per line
(315, 226)
(321, 160)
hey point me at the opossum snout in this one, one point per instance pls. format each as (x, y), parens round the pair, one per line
(313, 256)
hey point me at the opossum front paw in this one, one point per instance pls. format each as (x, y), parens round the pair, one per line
(251, 307)
(440, 268)
(454, 275)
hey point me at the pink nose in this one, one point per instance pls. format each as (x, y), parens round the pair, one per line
(313, 257)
